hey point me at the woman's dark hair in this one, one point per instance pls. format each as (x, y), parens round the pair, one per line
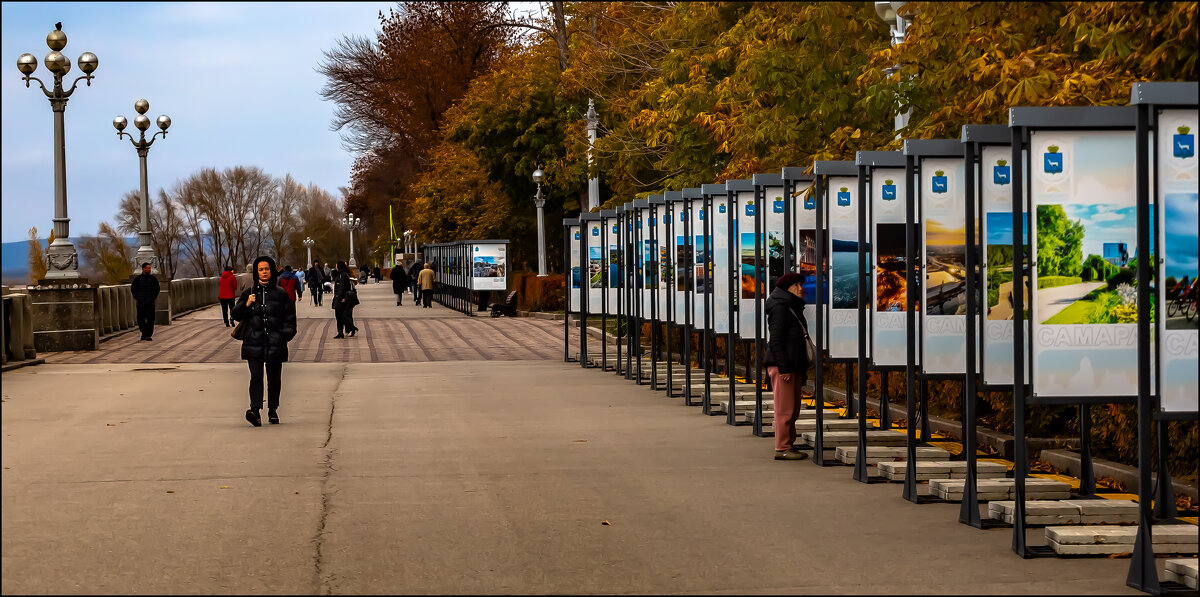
(229, 268)
(342, 267)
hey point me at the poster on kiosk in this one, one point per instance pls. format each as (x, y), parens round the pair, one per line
(944, 255)
(721, 277)
(996, 222)
(488, 267)
(804, 210)
(595, 266)
(748, 275)
(701, 250)
(889, 285)
(663, 261)
(613, 257)
(573, 241)
(843, 205)
(1179, 239)
(646, 260)
(1084, 319)
(682, 253)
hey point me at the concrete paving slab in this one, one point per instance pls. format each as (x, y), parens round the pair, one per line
(833, 439)
(877, 454)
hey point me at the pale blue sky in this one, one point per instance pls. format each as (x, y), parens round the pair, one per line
(237, 80)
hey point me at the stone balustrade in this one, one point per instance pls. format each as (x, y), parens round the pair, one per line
(16, 326)
(115, 309)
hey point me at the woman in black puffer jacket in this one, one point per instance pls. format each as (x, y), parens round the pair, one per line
(270, 323)
(787, 359)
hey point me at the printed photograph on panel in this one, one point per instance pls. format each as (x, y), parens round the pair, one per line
(1181, 264)
(703, 252)
(751, 275)
(945, 268)
(890, 283)
(596, 267)
(1000, 266)
(845, 273)
(683, 262)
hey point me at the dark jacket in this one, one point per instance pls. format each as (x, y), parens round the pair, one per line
(414, 270)
(315, 277)
(227, 286)
(786, 325)
(341, 283)
(400, 280)
(144, 289)
(270, 322)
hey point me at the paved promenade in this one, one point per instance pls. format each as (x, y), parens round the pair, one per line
(476, 463)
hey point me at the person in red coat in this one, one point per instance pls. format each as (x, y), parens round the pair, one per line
(287, 281)
(226, 292)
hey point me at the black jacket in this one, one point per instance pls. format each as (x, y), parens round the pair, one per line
(400, 280)
(413, 270)
(341, 283)
(786, 325)
(270, 322)
(144, 288)
(314, 277)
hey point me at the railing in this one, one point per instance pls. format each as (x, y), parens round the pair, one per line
(117, 312)
(114, 309)
(16, 327)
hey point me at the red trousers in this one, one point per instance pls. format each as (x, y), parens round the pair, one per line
(787, 407)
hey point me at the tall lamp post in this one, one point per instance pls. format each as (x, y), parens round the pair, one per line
(145, 252)
(540, 201)
(62, 259)
(887, 11)
(308, 243)
(351, 223)
(593, 122)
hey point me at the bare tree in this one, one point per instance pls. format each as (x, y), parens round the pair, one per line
(106, 257)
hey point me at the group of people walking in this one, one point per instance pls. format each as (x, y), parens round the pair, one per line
(419, 278)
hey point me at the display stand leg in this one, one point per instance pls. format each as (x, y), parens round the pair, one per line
(851, 387)
(1164, 497)
(924, 410)
(1087, 474)
(885, 411)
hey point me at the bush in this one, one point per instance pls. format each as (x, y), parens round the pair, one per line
(1052, 281)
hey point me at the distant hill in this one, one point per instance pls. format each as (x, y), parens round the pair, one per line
(14, 260)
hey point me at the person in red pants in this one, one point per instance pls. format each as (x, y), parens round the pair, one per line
(787, 359)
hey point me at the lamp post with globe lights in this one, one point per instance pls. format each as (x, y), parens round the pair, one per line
(540, 201)
(351, 223)
(308, 243)
(145, 252)
(62, 259)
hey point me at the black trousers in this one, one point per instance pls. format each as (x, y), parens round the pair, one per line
(399, 296)
(274, 380)
(316, 294)
(226, 308)
(345, 318)
(145, 319)
(426, 297)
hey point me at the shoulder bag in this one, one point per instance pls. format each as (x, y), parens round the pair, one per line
(808, 342)
(238, 330)
(351, 297)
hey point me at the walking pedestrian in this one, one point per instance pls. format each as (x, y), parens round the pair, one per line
(343, 307)
(145, 292)
(414, 271)
(425, 280)
(400, 283)
(316, 282)
(227, 291)
(787, 359)
(377, 273)
(328, 273)
(300, 275)
(270, 323)
(287, 281)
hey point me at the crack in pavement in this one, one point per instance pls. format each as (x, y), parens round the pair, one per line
(325, 580)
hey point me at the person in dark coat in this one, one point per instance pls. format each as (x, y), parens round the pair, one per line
(400, 282)
(144, 289)
(414, 270)
(270, 323)
(377, 274)
(316, 281)
(343, 311)
(787, 359)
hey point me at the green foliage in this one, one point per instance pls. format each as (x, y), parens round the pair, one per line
(1060, 243)
(1052, 281)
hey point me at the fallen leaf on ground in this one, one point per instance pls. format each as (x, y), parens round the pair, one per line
(224, 487)
(606, 523)
(580, 440)
(111, 424)
(170, 491)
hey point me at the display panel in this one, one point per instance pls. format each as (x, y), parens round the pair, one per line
(683, 261)
(489, 267)
(888, 283)
(843, 205)
(663, 246)
(575, 264)
(721, 276)
(995, 187)
(804, 218)
(612, 281)
(749, 276)
(647, 272)
(702, 280)
(595, 267)
(1084, 318)
(1179, 241)
(944, 257)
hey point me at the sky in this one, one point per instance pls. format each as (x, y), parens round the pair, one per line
(237, 79)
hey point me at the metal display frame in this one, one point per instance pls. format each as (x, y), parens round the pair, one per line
(690, 195)
(792, 178)
(1149, 100)
(710, 192)
(568, 274)
(762, 182)
(733, 188)
(673, 201)
(915, 152)
(1022, 122)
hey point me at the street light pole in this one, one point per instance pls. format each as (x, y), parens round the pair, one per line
(62, 259)
(540, 201)
(308, 243)
(888, 12)
(593, 122)
(351, 223)
(145, 252)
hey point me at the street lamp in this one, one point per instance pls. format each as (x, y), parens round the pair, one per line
(145, 252)
(888, 12)
(593, 122)
(308, 243)
(351, 223)
(62, 259)
(540, 201)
